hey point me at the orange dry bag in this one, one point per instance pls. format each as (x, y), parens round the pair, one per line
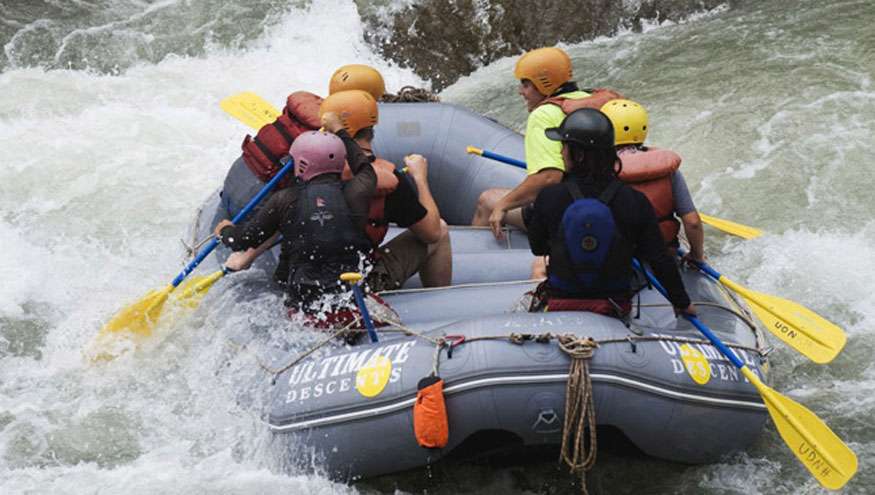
(430, 424)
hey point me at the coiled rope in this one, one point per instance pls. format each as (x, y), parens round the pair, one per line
(409, 94)
(579, 409)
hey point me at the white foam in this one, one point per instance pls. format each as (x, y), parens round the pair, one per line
(99, 177)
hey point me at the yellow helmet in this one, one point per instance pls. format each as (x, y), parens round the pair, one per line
(357, 76)
(357, 109)
(547, 68)
(629, 119)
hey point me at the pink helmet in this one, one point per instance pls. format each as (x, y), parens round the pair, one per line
(317, 153)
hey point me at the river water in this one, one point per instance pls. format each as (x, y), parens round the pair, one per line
(111, 137)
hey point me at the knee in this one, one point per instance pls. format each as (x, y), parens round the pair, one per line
(486, 199)
(445, 231)
(443, 240)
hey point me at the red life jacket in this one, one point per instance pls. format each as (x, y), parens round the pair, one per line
(387, 182)
(596, 99)
(263, 152)
(649, 171)
(378, 225)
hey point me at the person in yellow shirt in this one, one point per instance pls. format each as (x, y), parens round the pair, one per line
(549, 93)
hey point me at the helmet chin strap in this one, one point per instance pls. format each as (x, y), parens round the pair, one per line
(367, 149)
(567, 87)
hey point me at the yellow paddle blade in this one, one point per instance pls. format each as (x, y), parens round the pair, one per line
(139, 318)
(797, 326)
(736, 229)
(194, 289)
(820, 450)
(131, 324)
(250, 109)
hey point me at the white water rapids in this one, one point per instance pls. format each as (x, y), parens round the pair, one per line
(771, 104)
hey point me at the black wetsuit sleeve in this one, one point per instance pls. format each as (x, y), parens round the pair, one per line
(358, 192)
(651, 248)
(537, 228)
(355, 157)
(266, 221)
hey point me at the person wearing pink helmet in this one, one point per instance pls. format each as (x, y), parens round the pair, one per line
(262, 153)
(322, 219)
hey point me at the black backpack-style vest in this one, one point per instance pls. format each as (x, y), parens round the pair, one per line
(590, 258)
(327, 242)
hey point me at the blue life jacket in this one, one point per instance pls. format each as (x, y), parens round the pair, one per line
(590, 258)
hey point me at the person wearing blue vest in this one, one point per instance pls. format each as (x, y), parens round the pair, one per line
(591, 225)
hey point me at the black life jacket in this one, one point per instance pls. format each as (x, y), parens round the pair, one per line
(326, 243)
(590, 258)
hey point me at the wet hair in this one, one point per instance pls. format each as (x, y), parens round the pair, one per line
(366, 134)
(602, 165)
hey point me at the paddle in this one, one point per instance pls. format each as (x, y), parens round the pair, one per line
(140, 317)
(733, 228)
(820, 450)
(250, 109)
(255, 112)
(353, 278)
(802, 329)
(736, 229)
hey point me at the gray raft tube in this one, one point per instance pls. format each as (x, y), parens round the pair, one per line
(640, 387)
(441, 132)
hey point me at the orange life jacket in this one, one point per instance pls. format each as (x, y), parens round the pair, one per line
(649, 171)
(387, 182)
(263, 152)
(596, 99)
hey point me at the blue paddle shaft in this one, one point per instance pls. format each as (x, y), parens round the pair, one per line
(705, 267)
(692, 319)
(360, 301)
(505, 159)
(240, 216)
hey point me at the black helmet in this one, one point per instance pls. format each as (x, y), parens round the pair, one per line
(587, 127)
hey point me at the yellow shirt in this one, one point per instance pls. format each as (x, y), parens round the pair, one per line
(543, 153)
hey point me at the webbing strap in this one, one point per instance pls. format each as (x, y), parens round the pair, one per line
(608, 194)
(574, 190)
(266, 151)
(282, 130)
(605, 197)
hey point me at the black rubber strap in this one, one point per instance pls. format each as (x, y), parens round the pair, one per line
(574, 190)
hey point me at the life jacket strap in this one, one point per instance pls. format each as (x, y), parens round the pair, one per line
(265, 150)
(282, 130)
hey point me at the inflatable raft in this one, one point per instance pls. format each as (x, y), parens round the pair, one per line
(654, 378)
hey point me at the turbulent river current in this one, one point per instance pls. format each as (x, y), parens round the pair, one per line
(111, 137)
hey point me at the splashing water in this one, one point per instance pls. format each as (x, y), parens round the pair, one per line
(771, 105)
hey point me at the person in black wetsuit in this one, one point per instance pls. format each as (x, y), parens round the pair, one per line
(591, 225)
(321, 219)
